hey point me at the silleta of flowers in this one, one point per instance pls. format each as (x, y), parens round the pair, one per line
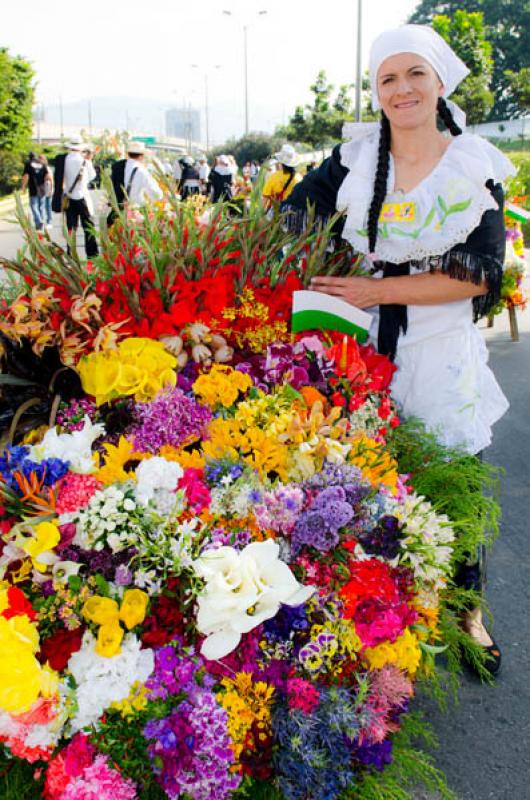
(213, 575)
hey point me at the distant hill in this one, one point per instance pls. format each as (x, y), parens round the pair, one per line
(148, 115)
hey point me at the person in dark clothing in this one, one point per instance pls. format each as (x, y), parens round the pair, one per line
(33, 179)
(190, 182)
(221, 178)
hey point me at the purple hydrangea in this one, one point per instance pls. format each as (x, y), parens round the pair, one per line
(319, 526)
(172, 418)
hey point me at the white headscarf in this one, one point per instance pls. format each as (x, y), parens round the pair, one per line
(424, 42)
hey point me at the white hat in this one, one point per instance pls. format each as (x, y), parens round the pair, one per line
(224, 160)
(136, 148)
(287, 155)
(422, 41)
(87, 147)
(75, 143)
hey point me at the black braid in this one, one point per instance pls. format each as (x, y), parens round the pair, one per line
(380, 182)
(447, 118)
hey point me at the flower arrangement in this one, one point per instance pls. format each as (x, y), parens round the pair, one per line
(214, 575)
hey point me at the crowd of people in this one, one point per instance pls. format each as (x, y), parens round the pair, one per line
(136, 180)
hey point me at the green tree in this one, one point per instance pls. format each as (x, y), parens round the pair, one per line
(466, 34)
(320, 123)
(519, 83)
(507, 25)
(251, 147)
(16, 103)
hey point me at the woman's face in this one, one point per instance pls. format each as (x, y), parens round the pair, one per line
(408, 90)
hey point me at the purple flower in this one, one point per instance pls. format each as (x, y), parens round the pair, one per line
(172, 418)
(375, 755)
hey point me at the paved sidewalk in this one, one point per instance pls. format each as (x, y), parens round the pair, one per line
(485, 741)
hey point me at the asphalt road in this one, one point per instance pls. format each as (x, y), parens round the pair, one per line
(485, 740)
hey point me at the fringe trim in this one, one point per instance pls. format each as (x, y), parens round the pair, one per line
(296, 220)
(464, 266)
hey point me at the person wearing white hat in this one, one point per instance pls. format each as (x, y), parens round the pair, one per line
(221, 179)
(426, 209)
(132, 181)
(73, 173)
(281, 183)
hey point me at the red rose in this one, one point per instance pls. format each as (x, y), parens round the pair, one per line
(58, 648)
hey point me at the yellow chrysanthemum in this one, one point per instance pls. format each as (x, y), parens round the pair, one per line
(221, 386)
(404, 653)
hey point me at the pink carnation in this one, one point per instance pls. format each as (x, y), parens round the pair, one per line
(197, 493)
(100, 782)
(302, 695)
(75, 491)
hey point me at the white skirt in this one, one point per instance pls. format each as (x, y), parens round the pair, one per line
(446, 382)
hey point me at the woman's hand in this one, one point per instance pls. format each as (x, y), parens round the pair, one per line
(360, 292)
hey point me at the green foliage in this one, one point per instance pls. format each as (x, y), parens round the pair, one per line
(16, 102)
(251, 147)
(507, 29)
(519, 83)
(320, 123)
(519, 185)
(410, 768)
(466, 34)
(457, 484)
(17, 779)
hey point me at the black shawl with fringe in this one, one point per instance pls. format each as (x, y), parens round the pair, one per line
(479, 258)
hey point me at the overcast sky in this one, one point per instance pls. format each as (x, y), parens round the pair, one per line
(146, 48)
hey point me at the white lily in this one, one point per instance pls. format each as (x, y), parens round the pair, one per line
(242, 590)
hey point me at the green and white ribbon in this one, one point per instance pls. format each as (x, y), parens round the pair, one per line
(316, 310)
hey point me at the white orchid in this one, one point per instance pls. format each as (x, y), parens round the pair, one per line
(75, 447)
(242, 590)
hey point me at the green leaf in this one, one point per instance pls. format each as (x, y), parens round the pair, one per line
(432, 648)
(429, 218)
(103, 586)
(74, 582)
(442, 204)
(456, 207)
(13, 380)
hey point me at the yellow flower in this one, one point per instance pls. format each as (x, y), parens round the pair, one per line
(133, 607)
(109, 639)
(49, 681)
(101, 610)
(248, 705)
(20, 672)
(183, 457)
(221, 386)
(136, 701)
(376, 465)
(116, 457)
(405, 653)
(139, 367)
(47, 536)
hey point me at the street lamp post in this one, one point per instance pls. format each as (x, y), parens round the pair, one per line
(206, 103)
(358, 79)
(245, 60)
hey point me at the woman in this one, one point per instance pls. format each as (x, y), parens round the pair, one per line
(426, 209)
(281, 183)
